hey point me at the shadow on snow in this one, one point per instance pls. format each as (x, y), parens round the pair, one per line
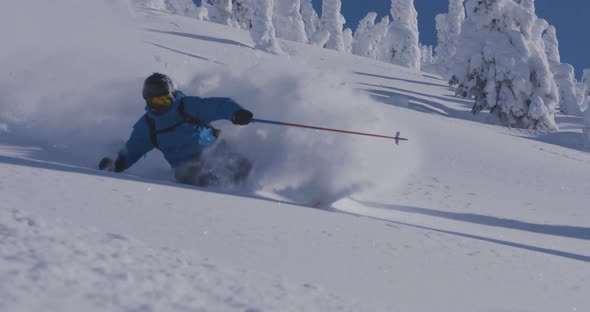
(567, 139)
(547, 229)
(404, 80)
(184, 53)
(548, 251)
(566, 231)
(419, 102)
(199, 37)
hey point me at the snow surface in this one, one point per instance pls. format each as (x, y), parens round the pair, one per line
(465, 216)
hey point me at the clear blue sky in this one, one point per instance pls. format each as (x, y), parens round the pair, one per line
(567, 16)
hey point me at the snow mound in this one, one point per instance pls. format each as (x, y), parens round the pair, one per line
(68, 269)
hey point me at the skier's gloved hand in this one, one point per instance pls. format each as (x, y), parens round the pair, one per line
(242, 117)
(106, 164)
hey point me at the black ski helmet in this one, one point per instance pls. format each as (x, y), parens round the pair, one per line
(157, 85)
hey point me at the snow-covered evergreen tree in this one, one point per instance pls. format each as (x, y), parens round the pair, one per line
(401, 46)
(551, 44)
(263, 31)
(221, 12)
(288, 21)
(348, 40)
(527, 4)
(379, 34)
(310, 18)
(562, 73)
(202, 13)
(581, 95)
(448, 29)
(362, 38)
(150, 4)
(242, 14)
(566, 84)
(369, 37)
(501, 63)
(586, 81)
(586, 77)
(320, 38)
(182, 7)
(442, 38)
(586, 130)
(583, 90)
(427, 57)
(332, 22)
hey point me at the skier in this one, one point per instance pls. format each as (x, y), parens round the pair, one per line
(178, 126)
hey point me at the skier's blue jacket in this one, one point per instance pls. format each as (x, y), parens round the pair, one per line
(185, 142)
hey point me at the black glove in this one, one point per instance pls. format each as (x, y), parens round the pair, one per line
(106, 164)
(242, 117)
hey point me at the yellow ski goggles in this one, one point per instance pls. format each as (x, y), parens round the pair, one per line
(161, 101)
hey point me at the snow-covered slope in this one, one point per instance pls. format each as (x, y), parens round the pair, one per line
(465, 216)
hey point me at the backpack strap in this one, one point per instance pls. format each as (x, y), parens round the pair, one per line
(192, 120)
(187, 118)
(153, 133)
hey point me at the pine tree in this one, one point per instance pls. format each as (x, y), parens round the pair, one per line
(583, 89)
(563, 74)
(220, 12)
(551, 44)
(320, 38)
(288, 21)
(401, 46)
(180, 7)
(426, 58)
(527, 4)
(310, 18)
(586, 130)
(150, 4)
(332, 22)
(585, 82)
(501, 63)
(362, 38)
(242, 14)
(581, 95)
(586, 77)
(263, 31)
(448, 29)
(369, 37)
(348, 39)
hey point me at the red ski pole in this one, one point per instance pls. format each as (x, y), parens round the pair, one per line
(397, 137)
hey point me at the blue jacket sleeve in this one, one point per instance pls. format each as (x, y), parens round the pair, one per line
(139, 144)
(211, 109)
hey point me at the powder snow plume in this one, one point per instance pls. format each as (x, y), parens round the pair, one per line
(302, 164)
(72, 76)
(87, 97)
